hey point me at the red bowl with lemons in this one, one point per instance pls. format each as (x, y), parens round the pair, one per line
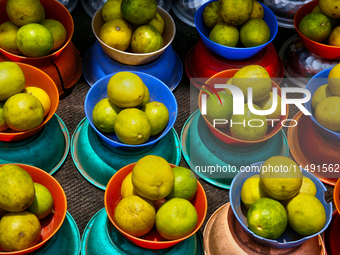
(224, 134)
(152, 240)
(319, 49)
(36, 78)
(52, 223)
(53, 10)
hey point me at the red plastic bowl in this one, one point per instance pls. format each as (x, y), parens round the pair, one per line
(36, 78)
(51, 224)
(319, 49)
(151, 240)
(224, 134)
(53, 10)
(331, 236)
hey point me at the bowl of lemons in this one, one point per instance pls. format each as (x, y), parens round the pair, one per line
(133, 37)
(279, 217)
(317, 24)
(130, 110)
(249, 128)
(28, 100)
(235, 30)
(324, 104)
(34, 32)
(161, 222)
(32, 209)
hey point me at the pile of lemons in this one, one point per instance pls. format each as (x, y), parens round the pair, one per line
(28, 32)
(23, 203)
(134, 23)
(156, 194)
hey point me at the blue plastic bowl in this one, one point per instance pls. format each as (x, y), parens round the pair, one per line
(158, 92)
(314, 83)
(234, 53)
(289, 238)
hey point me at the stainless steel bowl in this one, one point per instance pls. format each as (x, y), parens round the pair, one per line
(185, 9)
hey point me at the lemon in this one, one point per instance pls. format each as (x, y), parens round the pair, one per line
(132, 126)
(126, 89)
(266, 104)
(315, 26)
(43, 97)
(153, 177)
(23, 112)
(23, 12)
(235, 12)
(17, 188)
(280, 177)
(321, 93)
(3, 125)
(12, 80)
(252, 191)
(34, 40)
(139, 12)
(224, 34)
(146, 98)
(111, 10)
(8, 33)
(19, 231)
(135, 215)
(330, 8)
(104, 115)
(334, 80)
(42, 204)
(158, 115)
(127, 188)
(327, 113)
(258, 12)
(116, 33)
(306, 214)
(158, 23)
(254, 32)
(211, 14)
(308, 186)
(58, 32)
(176, 218)
(146, 39)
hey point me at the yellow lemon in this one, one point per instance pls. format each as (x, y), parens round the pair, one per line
(111, 10)
(252, 191)
(127, 188)
(211, 14)
(12, 80)
(58, 32)
(146, 39)
(258, 12)
(42, 204)
(320, 94)
(254, 32)
(8, 33)
(158, 23)
(267, 103)
(327, 113)
(104, 115)
(158, 115)
(41, 95)
(334, 80)
(23, 12)
(224, 34)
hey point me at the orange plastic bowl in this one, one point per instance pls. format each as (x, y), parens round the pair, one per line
(319, 49)
(224, 134)
(336, 195)
(36, 78)
(152, 240)
(53, 10)
(51, 224)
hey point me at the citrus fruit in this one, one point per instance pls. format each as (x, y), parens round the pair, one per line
(3, 125)
(19, 231)
(334, 80)
(116, 33)
(321, 93)
(58, 32)
(17, 188)
(146, 98)
(158, 115)
(126, 89)
(23, 112)
(34, 40)
(211, 14)
(248, 127)
(42, 204)
(158, 23)
(127, 188)
(111, 10)
(258, 12)
(153, 177)
(280, 177)
(266, 104)
(334, 37)
(315, 26)
(23, 12)
(217, 111)
(104, 115)
(139, 11)
(41, 95)
(146, 39)
(185, 185)
(256, 77)
(327, 113)
(252, 191)
(267, 218)
(254, 32)
(8, 32)
(306, 214)
(330, 8)
(235, 12)
(12, 79)
(176, 218)
(135, 216)
(224, 34)
(334, 22)
(132, 126)
(308, 186)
